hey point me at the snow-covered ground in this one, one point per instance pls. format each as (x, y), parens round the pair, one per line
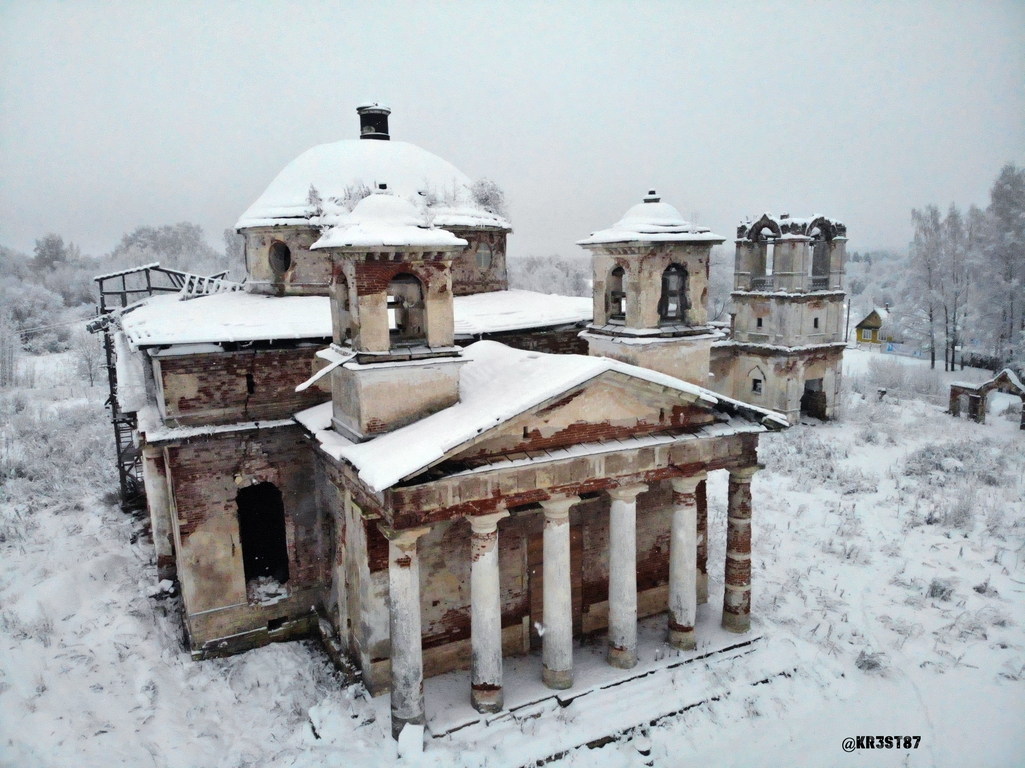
(889, 582)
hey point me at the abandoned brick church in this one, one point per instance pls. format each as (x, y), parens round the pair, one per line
(374, 434)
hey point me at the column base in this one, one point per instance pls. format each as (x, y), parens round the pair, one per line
(622, 658)
(559, 680)
(486, 698)
(398, 723)
(683, 638)
(737, 623)
(702, 587)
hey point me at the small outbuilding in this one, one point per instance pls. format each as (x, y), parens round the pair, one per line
(972, 397)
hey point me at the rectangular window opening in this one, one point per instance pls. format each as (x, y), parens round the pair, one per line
(756, 386)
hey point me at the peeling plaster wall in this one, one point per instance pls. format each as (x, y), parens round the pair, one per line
(467, 276)
(683, 358)
(205, 476)
(788, 320)
(643, 282)
(783, 378)
(371, 401)
(309, 273)
(213, 388)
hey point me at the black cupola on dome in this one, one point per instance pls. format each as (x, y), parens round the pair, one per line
(373, 122)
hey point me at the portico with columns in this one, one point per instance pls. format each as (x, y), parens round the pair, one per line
(530, 551)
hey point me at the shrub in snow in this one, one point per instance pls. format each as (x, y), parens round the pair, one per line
(940, 589)
(980, 461)
(869, 662)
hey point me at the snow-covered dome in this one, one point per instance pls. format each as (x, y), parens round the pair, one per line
(652, 221)
(384, 220)
(328, 179)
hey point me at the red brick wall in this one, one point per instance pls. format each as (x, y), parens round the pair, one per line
(565, 341)
(203, 474)
(216, 390)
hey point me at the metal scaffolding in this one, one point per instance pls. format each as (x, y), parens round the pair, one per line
(118, 290)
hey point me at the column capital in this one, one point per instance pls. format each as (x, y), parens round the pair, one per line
(405, 538)
(486, 523)
(557, 507)
(627, 492)
(744, 474)
(688, 484)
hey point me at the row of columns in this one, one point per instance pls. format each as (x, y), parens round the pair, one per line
(688, 585)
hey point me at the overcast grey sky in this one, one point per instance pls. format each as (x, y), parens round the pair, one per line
(119, 114)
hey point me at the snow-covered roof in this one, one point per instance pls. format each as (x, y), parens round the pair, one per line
(515, 310)
(383, 220)
(239, 317)
(496, 384)
(652, 221)
(336, 170)
(231, 317)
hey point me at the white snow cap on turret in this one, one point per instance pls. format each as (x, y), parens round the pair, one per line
(382, 220)
(652, 221)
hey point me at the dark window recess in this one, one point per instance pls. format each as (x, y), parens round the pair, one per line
(672, 306)
(759, 322)
(280, 257)
(407, 318)
(617, 295)
(816, 323)
(756, 386)
(250, 384)
(277, 623)
(261, 532)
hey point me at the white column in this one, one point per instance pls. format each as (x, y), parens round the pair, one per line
(623, 576)
(407, 667)
(683, 562)
(485, 614)
(557, 641)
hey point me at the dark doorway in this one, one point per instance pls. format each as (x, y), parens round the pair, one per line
(813, 402)
(261, 532)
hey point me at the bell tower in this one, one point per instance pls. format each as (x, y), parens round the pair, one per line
(651, 291)
(393, 357)
(787, 347)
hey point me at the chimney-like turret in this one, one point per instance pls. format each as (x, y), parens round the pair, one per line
(373, 122)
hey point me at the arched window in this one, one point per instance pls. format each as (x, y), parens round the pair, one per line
(616, 296)
(484, 254)
(407, 321)
(673, 305)
(261, 532)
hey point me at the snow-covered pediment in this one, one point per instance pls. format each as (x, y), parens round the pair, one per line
(610, 406)
(502, 391)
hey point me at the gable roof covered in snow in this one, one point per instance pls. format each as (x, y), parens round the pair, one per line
(338, 171)
(496, 384)
(652, 222)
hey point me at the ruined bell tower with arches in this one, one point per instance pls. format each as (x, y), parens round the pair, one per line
(785, 351)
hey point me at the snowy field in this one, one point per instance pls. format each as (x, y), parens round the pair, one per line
(889, 585)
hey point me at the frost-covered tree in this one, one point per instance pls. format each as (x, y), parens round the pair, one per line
(487, 195)
(87, 352)
(1003, 297)
(51, 250)
(178, 246)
